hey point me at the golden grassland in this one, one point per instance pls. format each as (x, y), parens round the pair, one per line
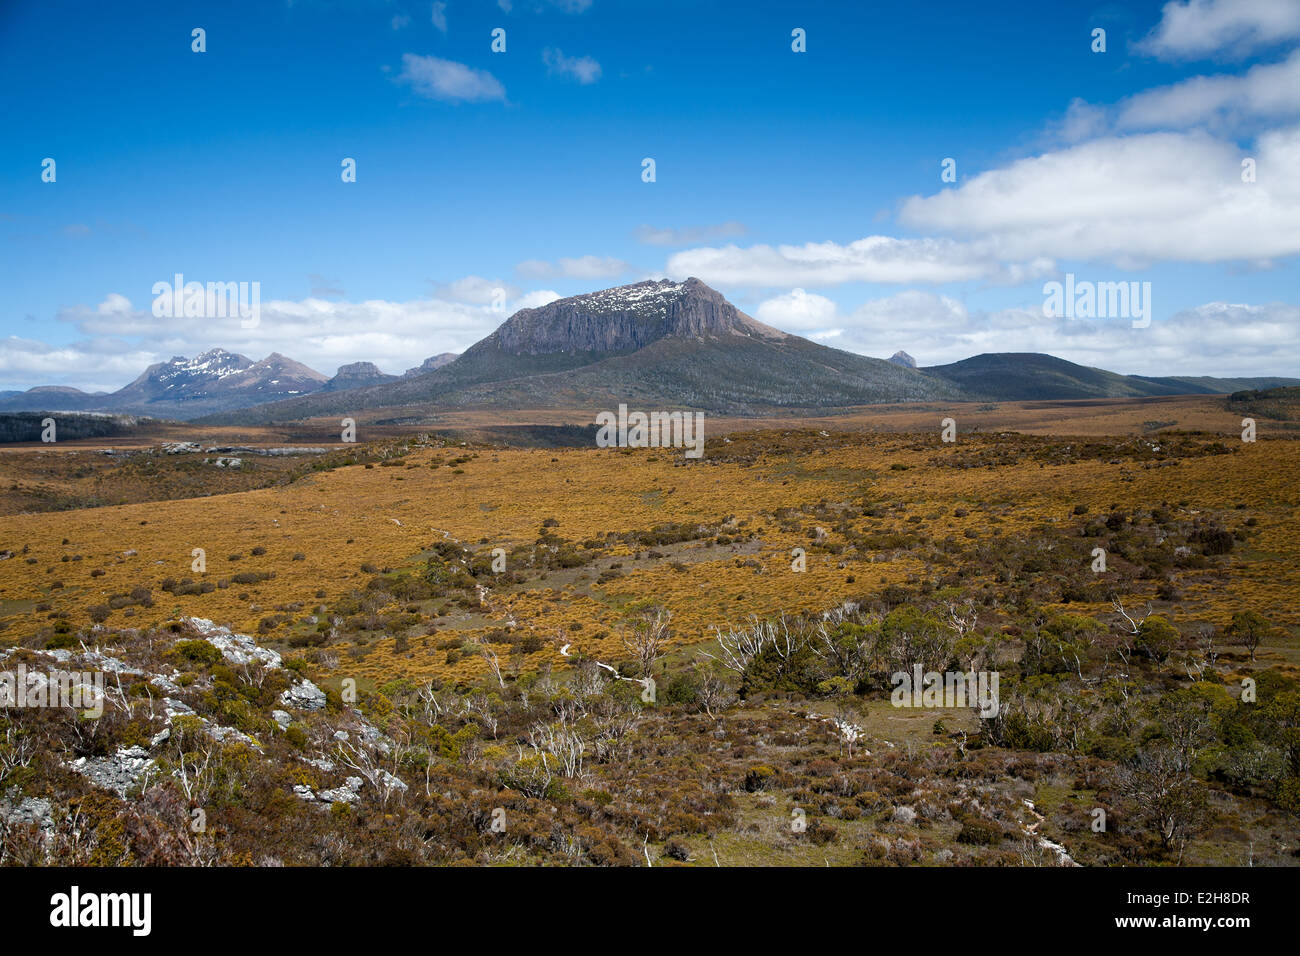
(319, 531)
(1091, 416)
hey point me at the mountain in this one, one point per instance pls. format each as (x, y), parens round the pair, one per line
(656, 343)
(1012, 376)
(51, 398)
(1026, 376)
(429, 364)
(213, 381)
(902, 358)
(652, 345)
(1218, 386)
(358, 375)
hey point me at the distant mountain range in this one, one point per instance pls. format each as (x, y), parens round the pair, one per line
(652, 344)
(214, 381)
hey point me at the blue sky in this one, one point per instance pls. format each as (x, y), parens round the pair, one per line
(522, 171)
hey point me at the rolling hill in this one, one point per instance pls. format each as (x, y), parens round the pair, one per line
(1026, 376)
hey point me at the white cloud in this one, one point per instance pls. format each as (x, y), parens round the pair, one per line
(440, 16)
(1265, 91)
(119, 340)
(1083, 120)
(477, 290)
(1197, 28)
(873, 259)
(1130, 200)
(440, 79)
(581, 68)
(584, 267)
(534, 300)
(797, 310)
(1213, 339)
(653, 236)
(114, 304)
(91, 366)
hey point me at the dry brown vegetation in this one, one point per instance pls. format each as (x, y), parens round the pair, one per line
(382, 572)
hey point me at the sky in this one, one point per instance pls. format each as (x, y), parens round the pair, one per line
(806, 185)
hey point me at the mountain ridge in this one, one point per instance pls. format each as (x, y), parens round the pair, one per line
(656, 342)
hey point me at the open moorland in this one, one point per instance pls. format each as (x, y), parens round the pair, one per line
(547, 654)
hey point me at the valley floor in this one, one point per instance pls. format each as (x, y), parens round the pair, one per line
(470, 594)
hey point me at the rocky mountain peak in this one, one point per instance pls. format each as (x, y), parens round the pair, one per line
(431, 363)
(902, 358)
(626, 318)
(358, 375)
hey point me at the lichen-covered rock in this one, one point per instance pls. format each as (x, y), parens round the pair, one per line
(305, 696)
(119, 772)
(236, 648)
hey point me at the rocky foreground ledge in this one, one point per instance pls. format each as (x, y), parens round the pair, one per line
(166, 693)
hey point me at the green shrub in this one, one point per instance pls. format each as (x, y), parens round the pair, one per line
(198, 652)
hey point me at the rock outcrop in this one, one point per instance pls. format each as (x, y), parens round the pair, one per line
(624, 319)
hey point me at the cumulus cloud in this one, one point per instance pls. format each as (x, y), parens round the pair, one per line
(797, 310)
(873, 259)
(535, 299)
(1196, 28)
(118, 339)
(1130, 200)
(439, 79)
(1267, 91)
(477, 290)
(93, 366)
(440, 16)
(581, 68)
(583, 267)
(114, 304)
(1213, 339)
(654, 236)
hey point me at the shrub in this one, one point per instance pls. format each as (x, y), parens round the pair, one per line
(677, 851)
(979, 832)
(759, 777)
(198, 652)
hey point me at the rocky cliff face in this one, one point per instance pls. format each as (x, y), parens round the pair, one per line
(432, 363)
(358, 375)
(625, 319)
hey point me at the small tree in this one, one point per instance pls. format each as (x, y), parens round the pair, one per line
(1157, 638)
(646, 638)
(1165, 797)
(1249, 628)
